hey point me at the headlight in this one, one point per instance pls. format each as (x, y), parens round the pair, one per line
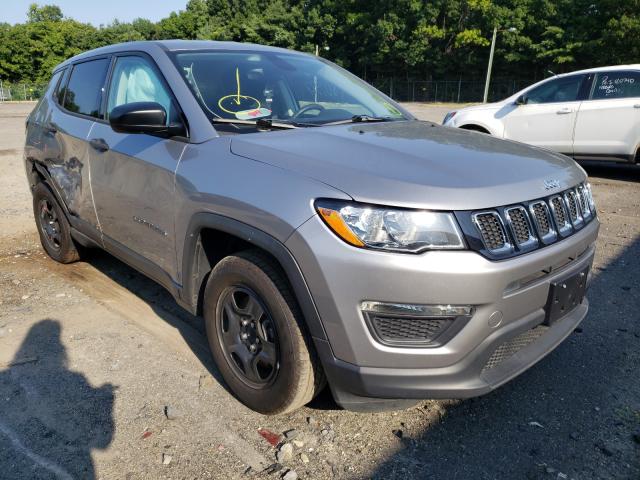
(592, 203)
(449, 116)
(392, 229)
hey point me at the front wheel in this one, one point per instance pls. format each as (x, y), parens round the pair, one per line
(257, 335)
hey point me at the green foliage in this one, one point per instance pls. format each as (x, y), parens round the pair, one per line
(46, 13)
(373, 38)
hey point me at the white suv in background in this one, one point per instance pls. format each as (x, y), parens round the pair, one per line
(589, 115)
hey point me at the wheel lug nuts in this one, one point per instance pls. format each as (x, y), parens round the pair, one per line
(252, 348)
(244, 336)
(245, 323)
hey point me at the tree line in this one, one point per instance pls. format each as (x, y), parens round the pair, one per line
(413, 39)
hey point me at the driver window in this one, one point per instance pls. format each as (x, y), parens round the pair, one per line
(563, 89)
(135, 80)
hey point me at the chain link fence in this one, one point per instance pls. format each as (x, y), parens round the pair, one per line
(449, 91)
(402, 90)
(17, 92)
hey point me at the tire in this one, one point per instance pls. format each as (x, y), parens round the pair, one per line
(250, 282)
(53, 227)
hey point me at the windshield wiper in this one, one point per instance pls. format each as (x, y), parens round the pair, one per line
(260, 123)
(359, 119)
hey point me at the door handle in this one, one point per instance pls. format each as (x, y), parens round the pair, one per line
(637, 105)
(99, 144)
(50, 129)
(564, 111)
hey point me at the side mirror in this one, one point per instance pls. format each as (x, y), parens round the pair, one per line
(521, 100)
(139, 117)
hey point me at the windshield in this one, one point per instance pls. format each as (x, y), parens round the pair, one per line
(280, 87)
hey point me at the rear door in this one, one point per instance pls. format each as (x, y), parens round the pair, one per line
(608, 123)
(133, 174)
(65, 127)
(547, 118)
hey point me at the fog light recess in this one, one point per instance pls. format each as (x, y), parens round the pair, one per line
(412, 325)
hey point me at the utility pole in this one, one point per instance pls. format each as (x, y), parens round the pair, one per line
(325, 48)
(493, 47)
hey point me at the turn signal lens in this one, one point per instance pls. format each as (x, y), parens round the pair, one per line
(336, 223)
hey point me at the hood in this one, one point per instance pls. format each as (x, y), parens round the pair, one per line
(414, 164)
(484, 106)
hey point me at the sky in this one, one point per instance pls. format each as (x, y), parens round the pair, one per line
(94, 12)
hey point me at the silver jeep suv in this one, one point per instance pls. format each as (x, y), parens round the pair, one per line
(324, 234)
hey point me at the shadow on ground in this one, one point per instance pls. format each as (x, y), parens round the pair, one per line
(191, 327)
(51, 418)
(584, 396)
(612, 171)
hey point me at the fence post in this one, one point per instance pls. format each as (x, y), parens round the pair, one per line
(24, 89)
(435, 94)
(459, 84)
(391, 87)
(1, 91)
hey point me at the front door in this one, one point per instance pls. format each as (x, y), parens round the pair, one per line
(547, 117)
(133, 174)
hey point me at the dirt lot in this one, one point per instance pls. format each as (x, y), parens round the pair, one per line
(102, 375)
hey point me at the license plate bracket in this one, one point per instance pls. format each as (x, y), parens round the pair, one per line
(565, 295)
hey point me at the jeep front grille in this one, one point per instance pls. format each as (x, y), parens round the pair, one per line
(515, 229)
(543, 222)
(541, 217)
(583, 196)
(518, 220)
(491, 229)
(575, 213)
(573, 208)
(557, 205)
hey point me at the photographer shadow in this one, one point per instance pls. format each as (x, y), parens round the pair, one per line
(51, 418)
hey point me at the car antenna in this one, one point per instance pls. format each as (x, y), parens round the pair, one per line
(553, 74)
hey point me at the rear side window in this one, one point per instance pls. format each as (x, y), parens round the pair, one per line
(84, 90)
(40, 110)
(616, 85)
(563, 89)
(53, 84)
(62, 88)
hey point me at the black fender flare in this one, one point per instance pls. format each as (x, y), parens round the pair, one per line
(196, 268)
(48, 181)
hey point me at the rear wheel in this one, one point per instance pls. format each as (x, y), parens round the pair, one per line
(53, 226)
(257, 335)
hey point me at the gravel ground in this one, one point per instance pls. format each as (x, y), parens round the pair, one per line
(102, 375)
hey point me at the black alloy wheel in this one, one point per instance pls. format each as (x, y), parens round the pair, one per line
(248, 336)
(50, 224)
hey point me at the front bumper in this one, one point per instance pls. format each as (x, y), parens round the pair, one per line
(340, 277)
